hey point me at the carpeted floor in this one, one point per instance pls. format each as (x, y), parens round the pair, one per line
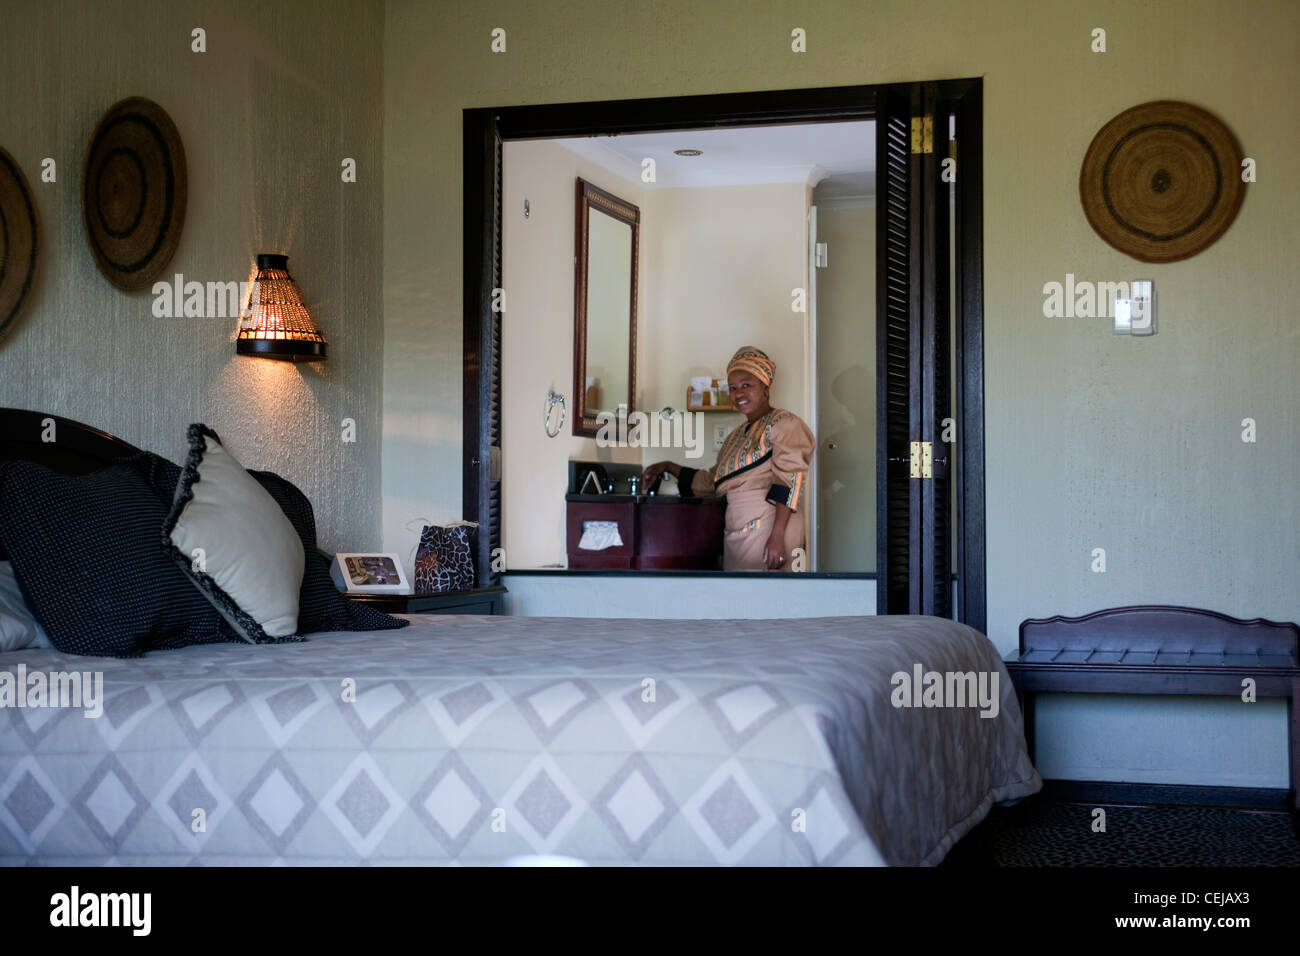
(1050, 833)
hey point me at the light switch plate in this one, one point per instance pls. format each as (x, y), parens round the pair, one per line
(1122, 310)
(720, 433)
(1136, 315)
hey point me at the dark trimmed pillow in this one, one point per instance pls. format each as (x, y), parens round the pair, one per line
(320, 605)
(86, 556)
(232, 540)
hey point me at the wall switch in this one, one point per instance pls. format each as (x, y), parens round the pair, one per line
(1122, 311)
(720, 433)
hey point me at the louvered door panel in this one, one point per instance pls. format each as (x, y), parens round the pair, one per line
(897, 357)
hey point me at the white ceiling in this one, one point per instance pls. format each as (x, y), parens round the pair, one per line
(839, 155)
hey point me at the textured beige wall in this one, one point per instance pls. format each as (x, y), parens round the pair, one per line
(1093, 440)
(726, 261)
(284, 93)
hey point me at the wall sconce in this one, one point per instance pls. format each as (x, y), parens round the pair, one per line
(275, 323)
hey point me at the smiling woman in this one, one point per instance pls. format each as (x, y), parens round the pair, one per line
(762, 471)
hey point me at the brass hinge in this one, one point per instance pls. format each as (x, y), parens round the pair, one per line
(922, 459)
(922, 134)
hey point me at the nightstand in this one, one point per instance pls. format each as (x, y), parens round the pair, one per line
(477, 601)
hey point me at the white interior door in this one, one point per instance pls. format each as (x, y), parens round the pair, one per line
(845, 385)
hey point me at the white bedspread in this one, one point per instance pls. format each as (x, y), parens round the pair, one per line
(478, 739)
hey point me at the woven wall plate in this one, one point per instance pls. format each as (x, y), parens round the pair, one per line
(1162, 181)
(133, 193)
(19, 241)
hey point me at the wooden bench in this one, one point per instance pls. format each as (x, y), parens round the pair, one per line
(1157, 649)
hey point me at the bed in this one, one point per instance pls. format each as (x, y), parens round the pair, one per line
(481, 740)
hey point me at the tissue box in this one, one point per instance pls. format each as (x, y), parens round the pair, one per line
(580, 515)
(599, 535)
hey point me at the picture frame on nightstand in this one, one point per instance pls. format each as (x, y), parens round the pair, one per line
(369, 573)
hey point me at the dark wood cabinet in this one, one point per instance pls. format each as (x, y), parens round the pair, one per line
(658, 533)
(674, 534)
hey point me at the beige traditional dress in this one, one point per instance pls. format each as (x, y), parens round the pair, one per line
(762, 463)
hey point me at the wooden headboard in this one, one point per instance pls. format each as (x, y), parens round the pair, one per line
(75, 450)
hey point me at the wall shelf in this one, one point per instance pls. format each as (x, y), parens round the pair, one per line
(707, 408)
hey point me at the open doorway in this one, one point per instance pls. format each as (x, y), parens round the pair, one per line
(922, 288)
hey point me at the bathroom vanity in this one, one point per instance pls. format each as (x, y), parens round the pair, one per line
(650, 532)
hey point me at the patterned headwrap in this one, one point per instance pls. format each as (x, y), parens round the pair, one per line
(755, 362)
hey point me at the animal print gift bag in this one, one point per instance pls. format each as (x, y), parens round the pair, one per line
(444, 559)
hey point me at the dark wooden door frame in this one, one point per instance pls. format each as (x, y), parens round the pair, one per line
(482, 222)
(899, 403)
(481, 225)
(965, 99)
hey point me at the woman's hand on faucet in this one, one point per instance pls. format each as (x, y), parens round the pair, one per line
(651, 474)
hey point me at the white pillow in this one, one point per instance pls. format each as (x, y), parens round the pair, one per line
(18, 629)
(235, 543)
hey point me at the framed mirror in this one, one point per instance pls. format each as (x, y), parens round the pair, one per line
(604, 306)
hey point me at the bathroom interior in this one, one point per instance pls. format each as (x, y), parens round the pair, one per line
(634, 266)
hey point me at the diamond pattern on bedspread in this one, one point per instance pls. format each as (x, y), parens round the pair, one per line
(452, 804)
(192, 787)
(110, 803)
(477, 739)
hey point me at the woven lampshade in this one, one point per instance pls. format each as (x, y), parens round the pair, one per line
(276, 324)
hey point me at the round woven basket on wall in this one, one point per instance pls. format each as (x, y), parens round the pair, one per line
(1162, 181)
(134, 193)
(19, 241)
